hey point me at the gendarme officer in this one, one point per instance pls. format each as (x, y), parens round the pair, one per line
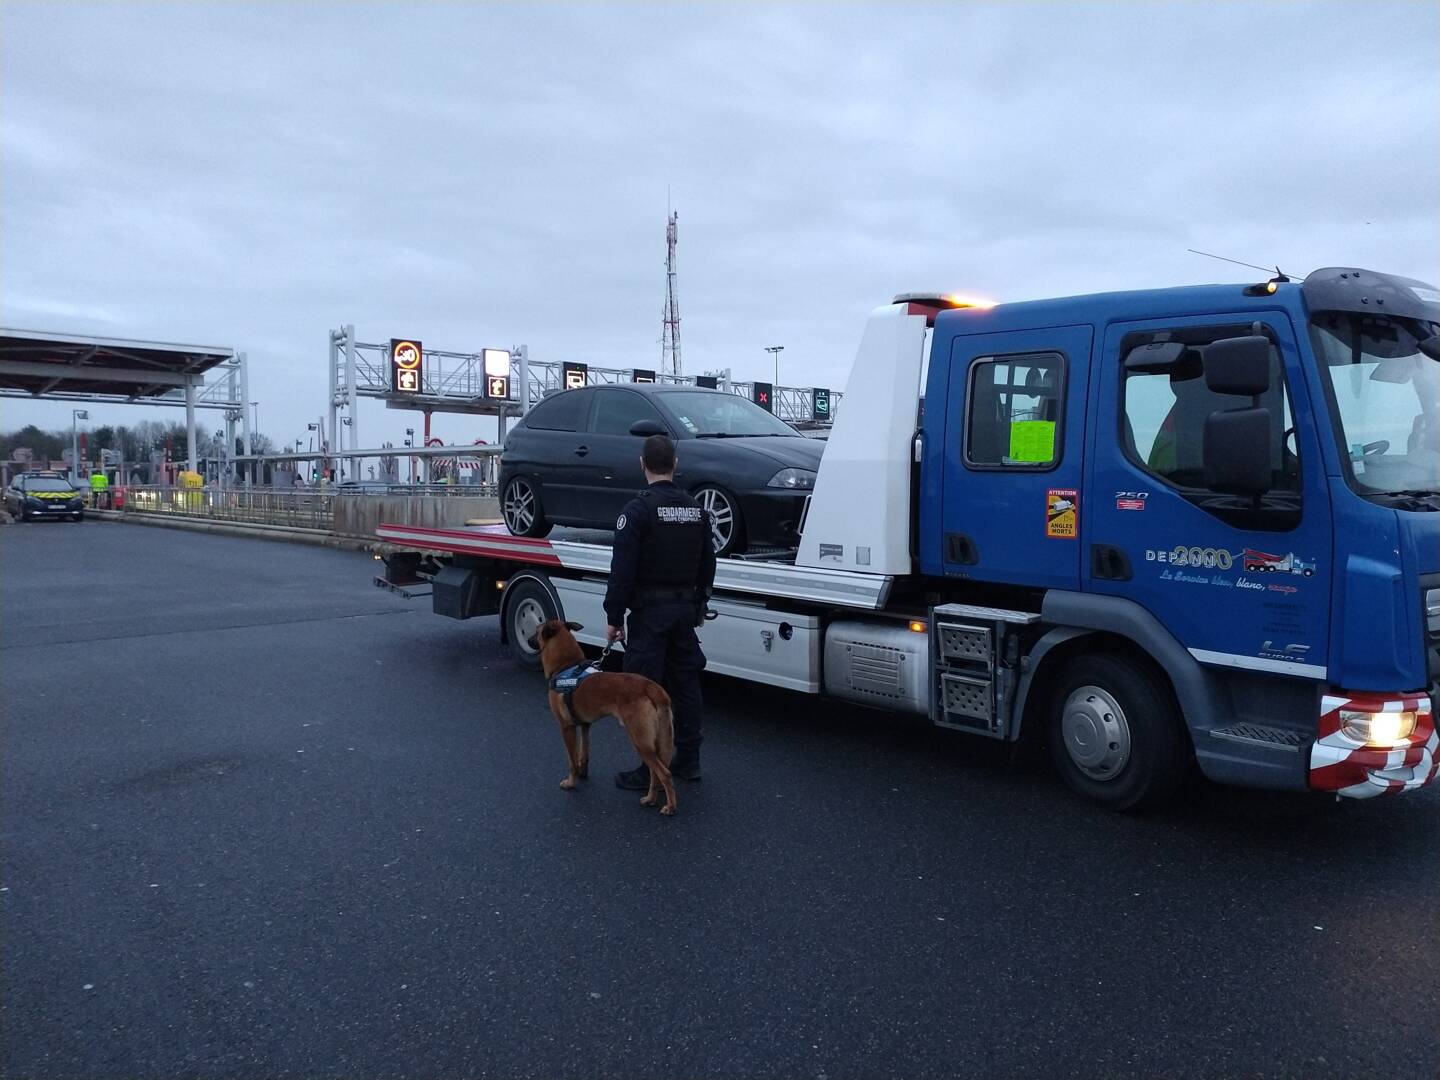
(661, 572)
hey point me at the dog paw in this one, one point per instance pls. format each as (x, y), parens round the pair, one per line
(648, 800)
(568, 783)
(667, 810)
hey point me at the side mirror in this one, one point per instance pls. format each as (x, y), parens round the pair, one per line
(1238, 365)
(646, 428)
(1236, 450)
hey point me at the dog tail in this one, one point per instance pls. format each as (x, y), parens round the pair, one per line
(665, 733)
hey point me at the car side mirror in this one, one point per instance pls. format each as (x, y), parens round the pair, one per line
(1238, 365)
(646, 428)
(1236, 451)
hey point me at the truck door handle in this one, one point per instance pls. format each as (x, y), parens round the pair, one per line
(1109, 563)
(581, 451)
(959, 548)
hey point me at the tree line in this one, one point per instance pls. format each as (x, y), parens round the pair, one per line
(135, 443)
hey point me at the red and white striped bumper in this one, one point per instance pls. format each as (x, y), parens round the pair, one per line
(1340, 764)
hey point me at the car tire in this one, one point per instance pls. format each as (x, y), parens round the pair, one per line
(1116, 734)
(522, 510)
(527, 604)
(729, 529)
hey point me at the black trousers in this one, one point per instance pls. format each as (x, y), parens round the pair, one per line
(660, 643)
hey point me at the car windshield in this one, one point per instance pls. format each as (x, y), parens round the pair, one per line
(46, 483)
(1387, 398)
(701, 413)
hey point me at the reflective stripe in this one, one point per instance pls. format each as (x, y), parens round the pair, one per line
(1257, 663)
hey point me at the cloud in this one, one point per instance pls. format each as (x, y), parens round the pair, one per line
(493, 174)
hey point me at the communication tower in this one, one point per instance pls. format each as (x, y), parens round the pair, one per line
(670, 343)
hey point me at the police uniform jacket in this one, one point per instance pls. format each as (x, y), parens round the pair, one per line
(663, 552)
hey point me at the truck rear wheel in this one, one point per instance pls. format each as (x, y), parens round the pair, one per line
(527, 605)
(1116, 733)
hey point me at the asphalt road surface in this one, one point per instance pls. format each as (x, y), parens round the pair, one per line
(261, 819)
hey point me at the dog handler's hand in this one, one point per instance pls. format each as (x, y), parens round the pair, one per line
(614, 634)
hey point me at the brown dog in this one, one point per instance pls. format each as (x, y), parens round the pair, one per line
(642, 707)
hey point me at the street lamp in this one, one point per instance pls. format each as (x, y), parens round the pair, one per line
(775, 351)
(76, 415)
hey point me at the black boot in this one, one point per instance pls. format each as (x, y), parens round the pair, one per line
(685, 768)
(637, 779)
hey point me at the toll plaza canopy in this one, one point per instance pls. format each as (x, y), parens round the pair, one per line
(40, 364)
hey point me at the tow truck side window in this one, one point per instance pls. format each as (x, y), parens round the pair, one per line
(1163, 426)
(1013, 413)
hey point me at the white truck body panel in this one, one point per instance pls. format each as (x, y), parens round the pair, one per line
(746, 640)
(859, 516)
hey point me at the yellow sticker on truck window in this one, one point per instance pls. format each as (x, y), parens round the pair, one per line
(1062, 513)
(1032, 441)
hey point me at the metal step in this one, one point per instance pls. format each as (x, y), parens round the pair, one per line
(1262, 735)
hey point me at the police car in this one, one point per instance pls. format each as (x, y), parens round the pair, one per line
(43, 494)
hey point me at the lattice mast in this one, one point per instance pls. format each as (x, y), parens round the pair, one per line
(670, 342)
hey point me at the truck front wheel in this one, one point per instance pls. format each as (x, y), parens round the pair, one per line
(1116, 734)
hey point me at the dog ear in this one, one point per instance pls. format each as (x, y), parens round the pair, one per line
(573, 626)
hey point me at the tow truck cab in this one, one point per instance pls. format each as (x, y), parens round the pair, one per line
(1236, 485)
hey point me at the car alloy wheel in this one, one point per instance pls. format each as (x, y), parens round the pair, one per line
(521, 509)
(725, 518)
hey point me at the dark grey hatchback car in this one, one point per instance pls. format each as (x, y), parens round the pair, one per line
(575, 460)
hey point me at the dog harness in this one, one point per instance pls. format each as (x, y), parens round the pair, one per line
(565, 683)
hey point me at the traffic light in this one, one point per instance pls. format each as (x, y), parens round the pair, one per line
(763, 393)
(820, 403)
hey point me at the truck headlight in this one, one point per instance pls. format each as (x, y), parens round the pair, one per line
(1378, 728)
(793, 478)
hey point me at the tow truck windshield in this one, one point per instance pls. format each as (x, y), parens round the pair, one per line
(1386, 399)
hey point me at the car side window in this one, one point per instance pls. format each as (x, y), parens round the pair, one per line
(563, 412)
(617, 410)
(1014, 411)
(1164, 413)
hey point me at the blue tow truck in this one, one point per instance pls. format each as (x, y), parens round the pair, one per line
(1167, 529)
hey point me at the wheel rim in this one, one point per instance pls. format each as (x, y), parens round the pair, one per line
(529, 614)
(1096, 733)
(722, 516)
(519, 506)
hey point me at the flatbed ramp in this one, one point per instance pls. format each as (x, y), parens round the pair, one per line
(742, 577)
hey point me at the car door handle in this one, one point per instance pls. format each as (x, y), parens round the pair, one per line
(581, 451)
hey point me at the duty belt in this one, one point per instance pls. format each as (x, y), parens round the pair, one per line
(666, 594)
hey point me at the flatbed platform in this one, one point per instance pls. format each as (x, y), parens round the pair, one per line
(588, 552)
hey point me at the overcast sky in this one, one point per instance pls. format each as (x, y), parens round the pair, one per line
(481, 174)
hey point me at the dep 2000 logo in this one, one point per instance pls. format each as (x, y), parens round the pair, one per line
(1202, 558)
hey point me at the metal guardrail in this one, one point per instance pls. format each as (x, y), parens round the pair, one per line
(307, 509)
(303, 507)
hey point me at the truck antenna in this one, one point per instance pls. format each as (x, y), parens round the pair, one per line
(1278, 272)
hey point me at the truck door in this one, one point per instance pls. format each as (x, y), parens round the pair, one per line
(1242, 580)
(1014, 449)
